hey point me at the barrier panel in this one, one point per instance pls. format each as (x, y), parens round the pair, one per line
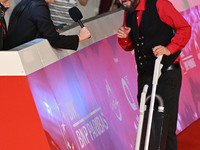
(189, 104)
(87, 100)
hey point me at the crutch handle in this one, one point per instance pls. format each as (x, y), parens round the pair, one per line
(157, 70)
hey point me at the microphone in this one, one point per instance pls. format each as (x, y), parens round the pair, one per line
(76, 15)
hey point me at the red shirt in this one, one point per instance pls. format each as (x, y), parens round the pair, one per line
(169, 15)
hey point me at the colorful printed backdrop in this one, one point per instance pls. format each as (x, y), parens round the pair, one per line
(88, 99)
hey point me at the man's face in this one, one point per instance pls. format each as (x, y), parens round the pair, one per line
(129, 5)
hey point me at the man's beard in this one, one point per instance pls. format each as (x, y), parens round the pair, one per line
(132, 7)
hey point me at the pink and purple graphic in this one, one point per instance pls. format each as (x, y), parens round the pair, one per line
(189, 105)
(87, 100)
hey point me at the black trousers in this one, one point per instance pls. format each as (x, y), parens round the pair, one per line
(168, 88)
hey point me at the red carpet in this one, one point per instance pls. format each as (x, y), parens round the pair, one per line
(189, 139)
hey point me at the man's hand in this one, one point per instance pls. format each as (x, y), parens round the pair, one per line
(123, 32)
(161, 50)
(84, 34)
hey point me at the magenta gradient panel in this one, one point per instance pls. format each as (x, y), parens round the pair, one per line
(189, 105)
(88, 100)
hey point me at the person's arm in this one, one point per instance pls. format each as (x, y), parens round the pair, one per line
(124, 38)
(41, 16)
(169, 15)
(83, 2)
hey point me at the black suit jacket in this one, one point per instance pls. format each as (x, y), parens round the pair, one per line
(35, 22)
